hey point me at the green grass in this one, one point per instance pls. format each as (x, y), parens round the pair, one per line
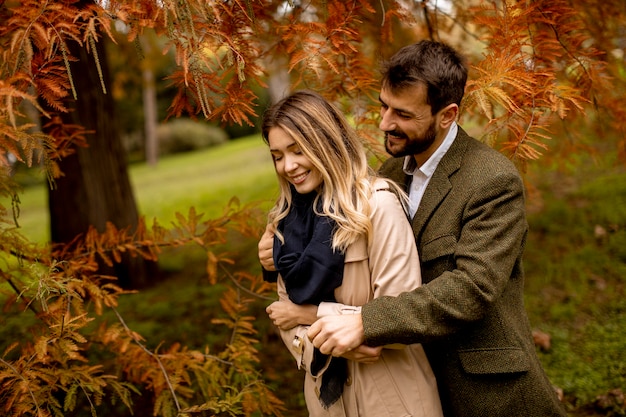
(575, 266)
(205, 179)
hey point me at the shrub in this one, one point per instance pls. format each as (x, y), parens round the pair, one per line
(183, 135)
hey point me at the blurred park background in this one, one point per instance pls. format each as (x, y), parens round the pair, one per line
(175, 174)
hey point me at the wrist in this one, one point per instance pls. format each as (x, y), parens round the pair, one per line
(309, 314)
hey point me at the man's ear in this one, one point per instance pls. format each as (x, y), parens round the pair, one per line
(448, 115)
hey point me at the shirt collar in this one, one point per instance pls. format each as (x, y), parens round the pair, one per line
(428, 168)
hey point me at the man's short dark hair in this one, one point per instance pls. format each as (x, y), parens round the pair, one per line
(440, 67)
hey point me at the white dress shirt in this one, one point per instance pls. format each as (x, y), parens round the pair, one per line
(421, 175)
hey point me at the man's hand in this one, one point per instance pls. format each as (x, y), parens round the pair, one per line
(287, 315)
(266, 250)
(364, 354)
(336, 335)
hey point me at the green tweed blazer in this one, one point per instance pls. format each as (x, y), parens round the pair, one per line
(470, 230)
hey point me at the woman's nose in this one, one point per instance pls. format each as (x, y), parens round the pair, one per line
(291, 163)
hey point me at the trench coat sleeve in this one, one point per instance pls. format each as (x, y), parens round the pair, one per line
(332, 309)
(296, 339)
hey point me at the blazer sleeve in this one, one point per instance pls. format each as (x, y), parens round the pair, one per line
(475, 262)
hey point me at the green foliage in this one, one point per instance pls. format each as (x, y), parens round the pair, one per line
(183, 135)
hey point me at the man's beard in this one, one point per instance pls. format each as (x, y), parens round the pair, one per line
(415, 146)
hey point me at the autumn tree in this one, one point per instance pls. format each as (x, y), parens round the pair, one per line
(95, 188)
(533, 66)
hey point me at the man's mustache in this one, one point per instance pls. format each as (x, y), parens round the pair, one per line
(395, 133)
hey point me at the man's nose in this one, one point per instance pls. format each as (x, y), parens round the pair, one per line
(386, 122)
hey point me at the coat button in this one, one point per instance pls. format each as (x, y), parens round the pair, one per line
(349, 381)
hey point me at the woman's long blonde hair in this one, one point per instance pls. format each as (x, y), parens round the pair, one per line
(324, 136)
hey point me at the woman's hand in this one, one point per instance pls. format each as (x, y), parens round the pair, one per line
(287, 315)
(266, 250)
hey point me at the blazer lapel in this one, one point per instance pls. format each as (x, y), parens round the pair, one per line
(439, 185)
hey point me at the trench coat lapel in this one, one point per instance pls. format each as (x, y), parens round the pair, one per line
(440, 185)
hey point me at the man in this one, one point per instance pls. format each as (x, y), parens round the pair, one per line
(468, 217)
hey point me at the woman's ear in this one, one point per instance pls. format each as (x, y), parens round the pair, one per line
(448, 115)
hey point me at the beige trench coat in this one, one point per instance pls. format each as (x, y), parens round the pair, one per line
(401, 383)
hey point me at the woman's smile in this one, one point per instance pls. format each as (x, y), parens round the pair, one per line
(298, 179)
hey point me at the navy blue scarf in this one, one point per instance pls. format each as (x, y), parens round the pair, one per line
(312, 270)
(307, 262)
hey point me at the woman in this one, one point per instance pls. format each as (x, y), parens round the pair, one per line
(341, 239)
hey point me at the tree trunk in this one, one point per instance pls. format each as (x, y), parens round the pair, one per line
(278, 81)
(150, 117)
(149, 103)
(95, 187)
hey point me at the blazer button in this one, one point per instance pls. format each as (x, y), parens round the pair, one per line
(349, 381)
